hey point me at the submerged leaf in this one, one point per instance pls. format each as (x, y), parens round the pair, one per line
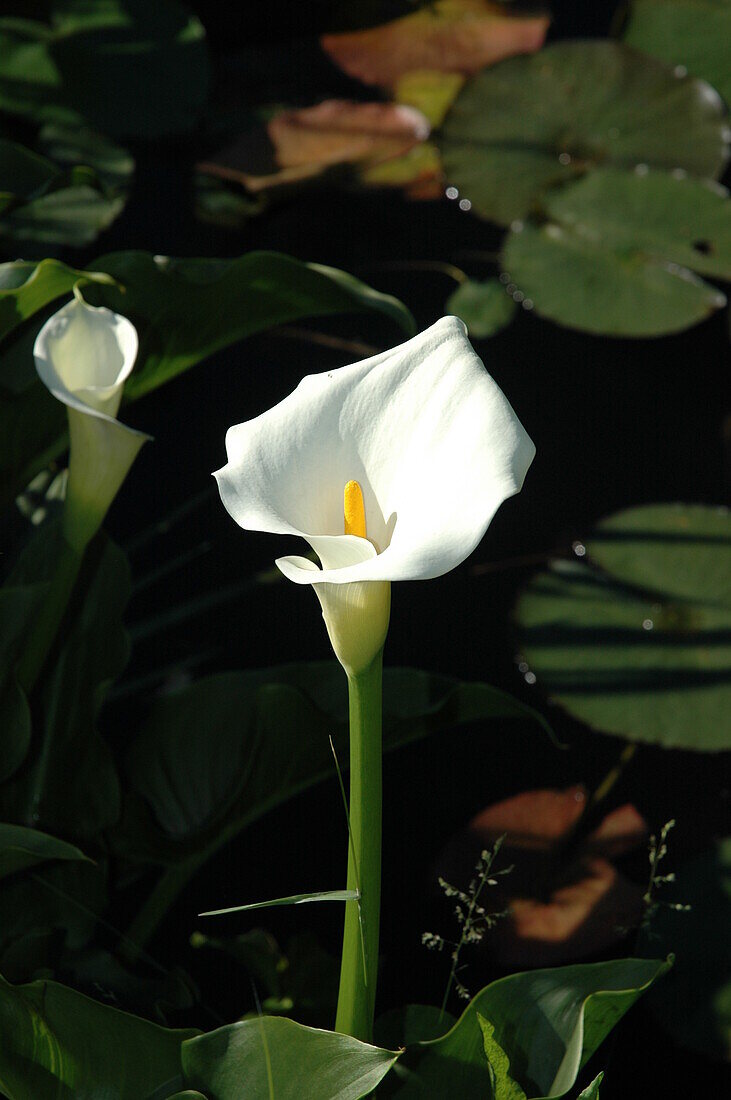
(454, 36)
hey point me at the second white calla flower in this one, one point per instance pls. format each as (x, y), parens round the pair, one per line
(431, 442)
(83, 355)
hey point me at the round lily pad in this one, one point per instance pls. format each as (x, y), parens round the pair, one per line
(634, 637)
(617, 252)
(692, 33)
(533, 122)
(485, 307)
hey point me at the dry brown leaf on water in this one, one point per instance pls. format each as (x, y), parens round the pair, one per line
(454, 36)
(308, 141)
(562, 907)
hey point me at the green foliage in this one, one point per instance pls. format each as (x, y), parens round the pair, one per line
(540, 1028)
(125, 67)
(485, 307)
(591, 1092)
(302, 979)
(534, 122)
(69, 781)
(498, 1065)
(21, 848)
(184, 310)
(616, 253)
(42, 205)
(633, 639)
(691, 33)
(279, 1058)
(695, 1005)
(58, 1043)
(190, 797)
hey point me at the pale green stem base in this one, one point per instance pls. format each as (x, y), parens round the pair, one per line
(358, 973)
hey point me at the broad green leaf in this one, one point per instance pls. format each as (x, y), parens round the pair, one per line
(485, 307)
(21, 848)
(127, 67)
(276, 1057)
(25, 288)
(548, 1023)
(498, 1065)
(692, 33)
(69, 782)
(208, 761)
(184, 311)
(533, 122)
(695, 1005)
(634, 638)
(187, 309)
(617, 253)
(59, 1044)
(293, 899)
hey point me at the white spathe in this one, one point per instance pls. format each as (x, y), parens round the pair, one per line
(83, 355)
(430, 437)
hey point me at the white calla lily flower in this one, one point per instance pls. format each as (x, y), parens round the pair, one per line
(83, 355)
(433, 447)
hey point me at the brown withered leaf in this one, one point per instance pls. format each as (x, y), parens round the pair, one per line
(454, 36)
(307, 142)
(565, 902)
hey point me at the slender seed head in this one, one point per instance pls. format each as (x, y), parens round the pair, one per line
(354, 510)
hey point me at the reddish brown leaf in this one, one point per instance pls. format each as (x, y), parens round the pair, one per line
(454, 36)
(307, 142)
(565, 901)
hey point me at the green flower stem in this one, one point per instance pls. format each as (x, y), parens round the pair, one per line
(46, 623)
(359, 971)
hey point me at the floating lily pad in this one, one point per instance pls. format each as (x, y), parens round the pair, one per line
(618, 251)
(635, 638)
(691, 33)
(531, 123)
(485, 307)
